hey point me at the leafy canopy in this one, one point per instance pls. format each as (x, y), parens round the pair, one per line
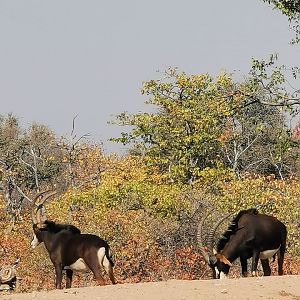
(181, 136)
(290, 8)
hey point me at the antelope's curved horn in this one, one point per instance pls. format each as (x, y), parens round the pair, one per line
(202, 249)
(33, 215)
(34, 207)
(212, 233)
(38, 210)
(40, 197)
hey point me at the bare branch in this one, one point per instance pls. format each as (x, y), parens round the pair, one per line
(73, 125)
(20, 190)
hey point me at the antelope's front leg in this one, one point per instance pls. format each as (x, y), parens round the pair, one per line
(58, 276)
(255, 258)
(244, 267)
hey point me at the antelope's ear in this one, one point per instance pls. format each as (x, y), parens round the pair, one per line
(223, 259)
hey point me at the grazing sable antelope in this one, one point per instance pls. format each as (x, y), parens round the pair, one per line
(69, 249)
(250, 234)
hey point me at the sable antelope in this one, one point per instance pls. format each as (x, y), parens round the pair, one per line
(250, 234)
(69, 249)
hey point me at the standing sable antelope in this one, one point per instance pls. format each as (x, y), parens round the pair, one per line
(249, 234)
(69, 249)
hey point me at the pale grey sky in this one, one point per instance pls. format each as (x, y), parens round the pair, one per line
(61, 58)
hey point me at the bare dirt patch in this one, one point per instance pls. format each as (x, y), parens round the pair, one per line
(274, 287)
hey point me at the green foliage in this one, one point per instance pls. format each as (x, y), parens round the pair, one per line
(181, 136)
(269, 77)
(200, 122)
(290, 8)
(136, 191)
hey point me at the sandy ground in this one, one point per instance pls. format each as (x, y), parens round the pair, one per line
(274, 287)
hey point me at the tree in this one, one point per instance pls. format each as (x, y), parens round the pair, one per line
(278, 81)
(199, 122)
(10, 146)
(84, 162)
(271, 84)
(181, 136)
(290, 8)
(41, 157)
(29, 160)
(257, 140)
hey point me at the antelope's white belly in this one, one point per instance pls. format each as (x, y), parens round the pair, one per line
(268, 253)
(79, 266)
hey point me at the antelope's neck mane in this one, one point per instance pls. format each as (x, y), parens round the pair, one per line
(52, 231)
(53, 227)
(233, 227)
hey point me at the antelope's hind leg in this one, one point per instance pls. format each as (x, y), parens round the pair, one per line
(109, 269)
(94, 263)
(266, 267)
(280, 257)
(69, 275)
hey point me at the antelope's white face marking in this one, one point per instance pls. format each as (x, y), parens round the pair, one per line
(268, 253)
(34, 242)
